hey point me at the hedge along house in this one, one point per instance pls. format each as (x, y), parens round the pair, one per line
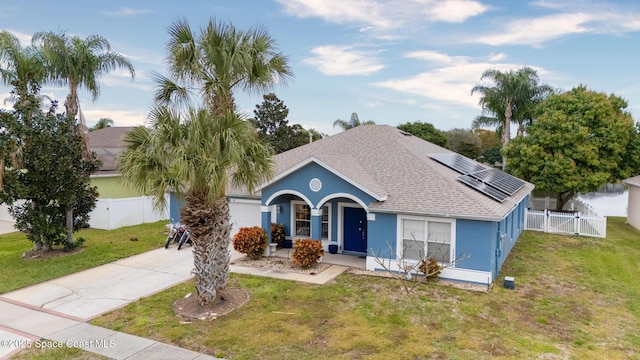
(375, 189)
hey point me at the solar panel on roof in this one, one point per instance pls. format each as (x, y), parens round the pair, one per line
(458, 163)
(500, 180)
(483, 188)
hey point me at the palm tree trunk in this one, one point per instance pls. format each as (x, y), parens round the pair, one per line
(71, 102)
(506, 131)
(209, 229)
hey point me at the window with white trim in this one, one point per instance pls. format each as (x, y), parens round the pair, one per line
(301, 213)
(426, 237)
(326, 222)
(301, 219)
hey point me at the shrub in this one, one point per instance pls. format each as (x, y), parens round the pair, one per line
(277, 234)
(307, 252)
(430, 268)
(251, 241)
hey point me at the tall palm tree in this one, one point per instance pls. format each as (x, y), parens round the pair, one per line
(77, 62)
(215, 144)
(217, 61)
(20, 67)
(195, 154)
(353, 122)
(511, 97)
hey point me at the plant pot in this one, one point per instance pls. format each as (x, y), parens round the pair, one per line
(288, 244)
(333, 249)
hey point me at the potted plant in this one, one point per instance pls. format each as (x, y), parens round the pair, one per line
(277, 234)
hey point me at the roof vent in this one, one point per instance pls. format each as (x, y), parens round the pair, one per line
(405, 133)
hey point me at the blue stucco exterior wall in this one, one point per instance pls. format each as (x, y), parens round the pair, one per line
(299, 182)
(474, 243)
(380, 231)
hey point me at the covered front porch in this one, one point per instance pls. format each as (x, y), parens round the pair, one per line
(340, 222)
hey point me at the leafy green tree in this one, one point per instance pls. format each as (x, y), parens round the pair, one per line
(513, 96)
(102, 123)
(489, 146)
(581, 140)
(48, 171)
(273, 127)
(464, 142)
(425, 131)
(214, 144)
(353, 122)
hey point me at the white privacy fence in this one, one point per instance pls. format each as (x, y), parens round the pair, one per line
(114, 213)
(566, 223)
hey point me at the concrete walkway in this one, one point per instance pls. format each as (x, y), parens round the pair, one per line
(58, 310)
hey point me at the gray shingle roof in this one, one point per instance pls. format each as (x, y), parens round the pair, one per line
(392, 163)
(107, 144)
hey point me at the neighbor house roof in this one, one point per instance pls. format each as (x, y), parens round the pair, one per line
(395, 166)
(634, 181)
(107, 143)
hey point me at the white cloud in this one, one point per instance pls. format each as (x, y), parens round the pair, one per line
(567, 18)
(125, 11)
(452, 82)
(436, 57)
(343, 60)
(536, 31)
(456, 11)
(383, 16)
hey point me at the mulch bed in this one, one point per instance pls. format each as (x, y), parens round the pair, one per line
(189, 309)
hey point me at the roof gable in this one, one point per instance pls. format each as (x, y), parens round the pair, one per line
(355, 168)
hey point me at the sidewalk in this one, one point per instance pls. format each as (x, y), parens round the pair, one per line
(59, 309)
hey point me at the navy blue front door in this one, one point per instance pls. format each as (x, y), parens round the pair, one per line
(354, 229)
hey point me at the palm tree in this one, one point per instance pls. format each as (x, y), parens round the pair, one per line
(195, 155)
(102, 123)
(218, 60)
(512, 97)
(353, 122)
(22, 68)
(214, 144)
(77, 62)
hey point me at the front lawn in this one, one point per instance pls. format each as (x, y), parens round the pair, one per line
(100, 247)
(576, 297)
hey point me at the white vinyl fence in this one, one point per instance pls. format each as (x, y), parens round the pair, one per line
(566, 223)
(114, 213)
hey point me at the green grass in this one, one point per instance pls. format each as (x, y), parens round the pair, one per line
(100, 247)
(576, 298)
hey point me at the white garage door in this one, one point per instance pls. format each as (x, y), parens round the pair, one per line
(244, 213)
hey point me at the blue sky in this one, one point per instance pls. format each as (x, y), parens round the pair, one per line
(391, 61)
